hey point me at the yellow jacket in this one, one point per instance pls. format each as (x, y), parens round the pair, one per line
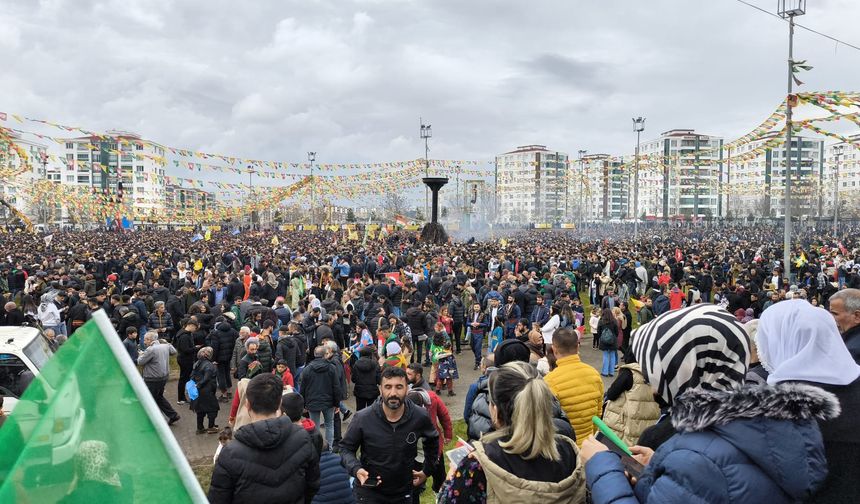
(579, 389)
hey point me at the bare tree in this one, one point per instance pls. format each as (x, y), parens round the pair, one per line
(394, 203)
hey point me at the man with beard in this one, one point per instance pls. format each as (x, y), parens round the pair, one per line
(383, 474)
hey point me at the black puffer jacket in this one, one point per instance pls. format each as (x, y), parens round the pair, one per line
(479, 421)
(366, 376)
(415, 320)
(320, 386)
(268, 461)
(222, 340)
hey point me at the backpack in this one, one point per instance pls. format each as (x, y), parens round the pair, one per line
(607, 337)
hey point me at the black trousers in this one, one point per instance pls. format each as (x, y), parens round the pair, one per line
(224, 382)
(458, 333)
(184, 376)
(156, 388)
(201, 414)
(363, 402)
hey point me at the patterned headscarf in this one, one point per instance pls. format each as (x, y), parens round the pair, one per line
(699, 346)
(92, 461)
(205, 353)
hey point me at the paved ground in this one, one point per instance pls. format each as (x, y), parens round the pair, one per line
(200, 447)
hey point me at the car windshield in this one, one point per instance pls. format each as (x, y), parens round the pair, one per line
(38, 352)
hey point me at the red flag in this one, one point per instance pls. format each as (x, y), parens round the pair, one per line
(678, 255)
(396, 276)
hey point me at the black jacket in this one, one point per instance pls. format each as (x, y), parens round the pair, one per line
(852, 341)
(186, 348)
(320, 386)
(288, 349)
(415, 320)
(204, 374)
(222, 340)
(268, 461)
(366, 375)
(389, 449)
(479, 421)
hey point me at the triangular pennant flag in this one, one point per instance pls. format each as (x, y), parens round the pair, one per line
(87, 430)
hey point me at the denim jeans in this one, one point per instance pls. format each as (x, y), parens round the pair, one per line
(328, 418)
(610, 360)
(477, 340)
(395, 310)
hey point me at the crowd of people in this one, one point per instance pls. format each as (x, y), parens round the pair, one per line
(731, 380)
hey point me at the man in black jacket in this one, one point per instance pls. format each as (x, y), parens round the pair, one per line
(270, 459)
(320, 387)
(222, 340)
(390, 422)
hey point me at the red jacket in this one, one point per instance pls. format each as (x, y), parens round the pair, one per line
(441, 419)
(287, 378)
(676, 299)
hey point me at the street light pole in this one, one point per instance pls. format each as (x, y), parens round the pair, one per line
(638, 127)
(837, 153)
(426, 132)
(251, 195)
(789, 9)
(312, 156)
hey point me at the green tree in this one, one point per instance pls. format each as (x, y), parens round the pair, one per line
(350, 215)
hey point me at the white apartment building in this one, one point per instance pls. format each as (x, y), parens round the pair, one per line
(531, 185)
(11, 188)
(101, 164)
(686, 164)
(598, 191)
(845, 156)
(757, 186)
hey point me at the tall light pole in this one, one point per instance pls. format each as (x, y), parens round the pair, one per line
(837, 153)
(312, 156)
(251, 195)
(789, 9)
(638, 127)
(696, 180)
(426, 133)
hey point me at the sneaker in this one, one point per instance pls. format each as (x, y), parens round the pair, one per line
(181, 403)
(213, 430)
(346, 415)
(451, 393)
(223, 399)
(201, 431)
(173, 420)
(475, 368)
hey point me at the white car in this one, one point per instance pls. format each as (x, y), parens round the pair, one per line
(24, 351)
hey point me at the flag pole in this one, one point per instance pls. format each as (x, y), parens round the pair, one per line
(148, 403)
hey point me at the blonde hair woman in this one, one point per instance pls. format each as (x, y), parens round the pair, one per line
(524, 459)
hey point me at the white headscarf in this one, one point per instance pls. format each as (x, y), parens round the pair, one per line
(799, 342)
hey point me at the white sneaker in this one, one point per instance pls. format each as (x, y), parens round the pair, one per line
(181, 402)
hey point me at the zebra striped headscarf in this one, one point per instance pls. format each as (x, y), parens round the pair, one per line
(699, 346)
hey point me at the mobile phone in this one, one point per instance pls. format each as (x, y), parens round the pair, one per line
(631, 465)
(371, 482)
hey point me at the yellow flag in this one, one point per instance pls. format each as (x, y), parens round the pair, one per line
(208, 235)
(198, 265)
(275, 241)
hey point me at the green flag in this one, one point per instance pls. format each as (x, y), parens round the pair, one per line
(87, 430)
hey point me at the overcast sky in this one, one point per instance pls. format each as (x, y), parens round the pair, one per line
(349, 79)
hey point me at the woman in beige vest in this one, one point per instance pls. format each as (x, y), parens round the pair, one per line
(523, 460)
(630, 407)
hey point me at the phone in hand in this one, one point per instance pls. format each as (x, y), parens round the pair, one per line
(631, 465)
(370, 482)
